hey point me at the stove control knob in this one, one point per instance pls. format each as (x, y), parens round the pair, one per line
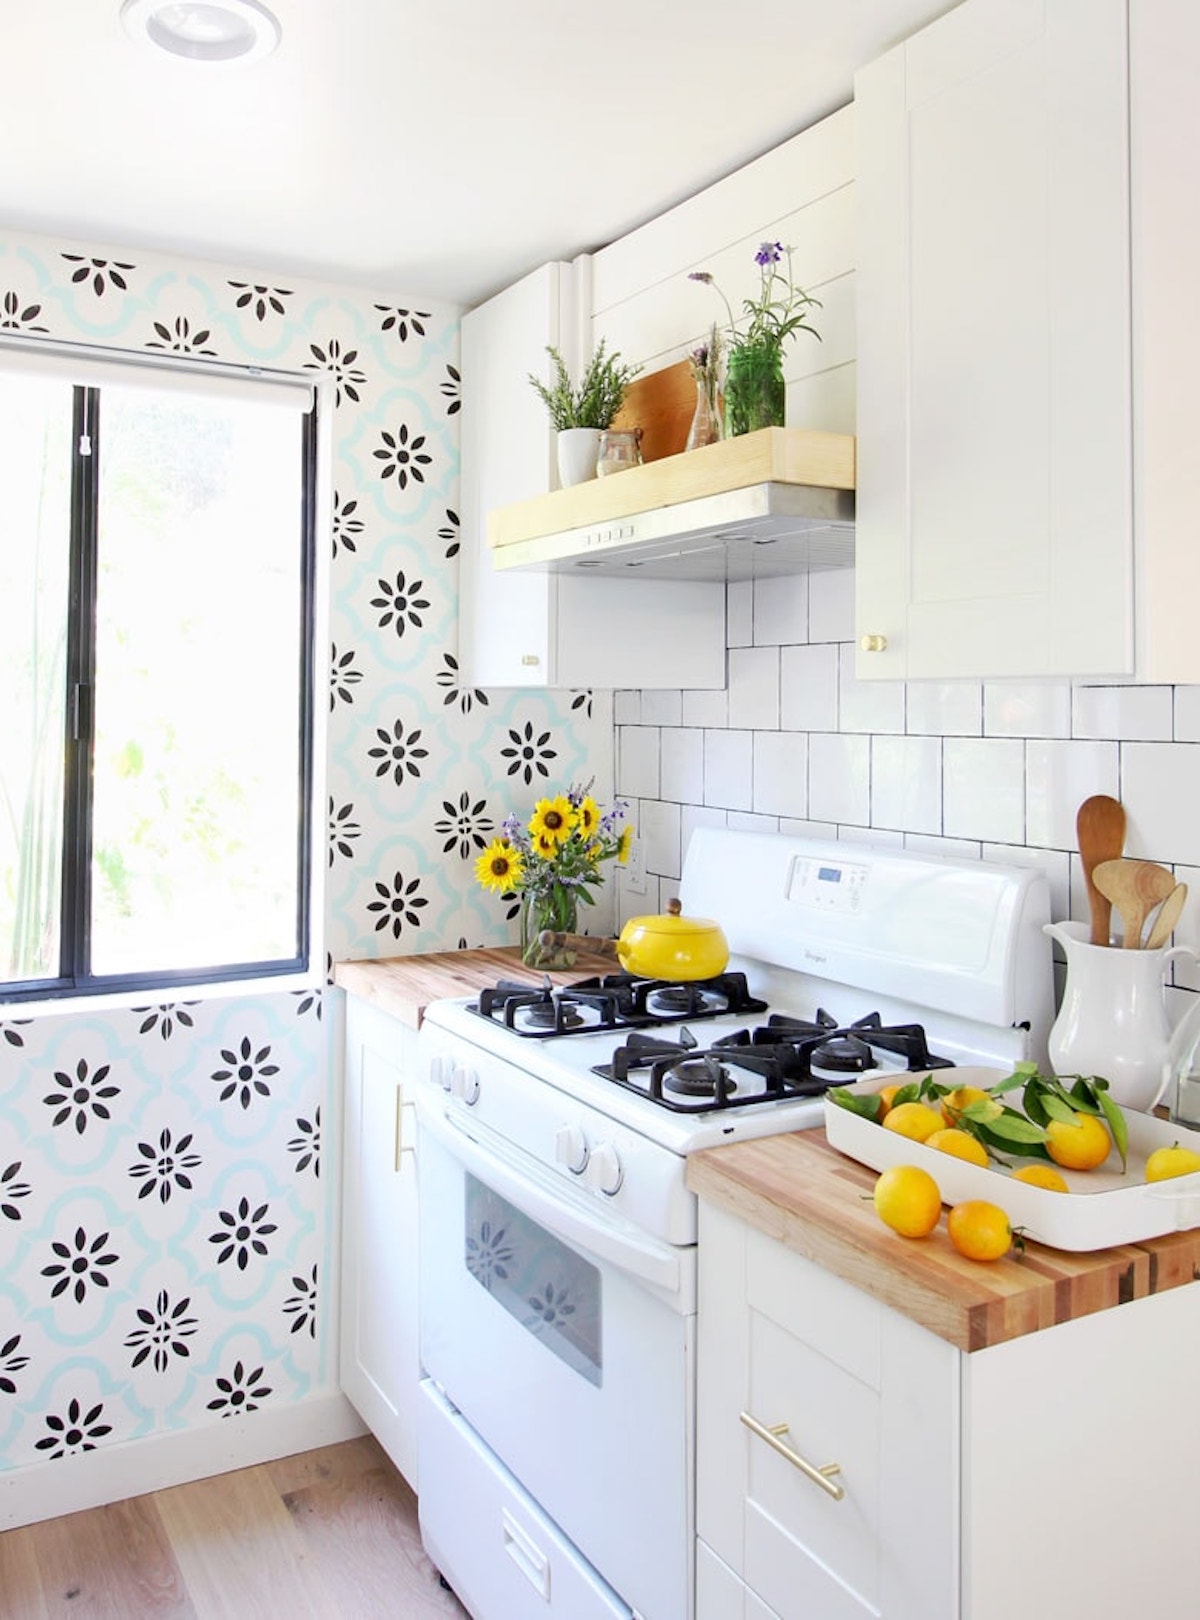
(439, 1072)
(607, 1171)
(464, 1083)
(571, 1148)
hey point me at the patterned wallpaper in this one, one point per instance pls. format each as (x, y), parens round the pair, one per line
(168, 1174)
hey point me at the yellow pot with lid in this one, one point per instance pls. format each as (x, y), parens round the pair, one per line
(672, 946)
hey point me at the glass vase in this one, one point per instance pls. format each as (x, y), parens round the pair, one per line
(755, 396)
(706, 418)
(555, 909)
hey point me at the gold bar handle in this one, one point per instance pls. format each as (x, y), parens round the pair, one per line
(820, 1475)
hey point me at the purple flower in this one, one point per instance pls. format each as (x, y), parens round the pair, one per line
(701, 275)
(769, 253)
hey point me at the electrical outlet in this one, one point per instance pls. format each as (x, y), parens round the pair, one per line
(635, 867)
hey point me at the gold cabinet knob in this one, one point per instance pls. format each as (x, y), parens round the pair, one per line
(873, 643)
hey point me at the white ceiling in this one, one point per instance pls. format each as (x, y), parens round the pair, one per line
(434, 148)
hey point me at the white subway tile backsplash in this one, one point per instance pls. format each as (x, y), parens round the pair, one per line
(1160, 789)
(809, 829)
(781, 611)
(808, 679)
(627, 708)
(754, 687)
(662, 707)
(944, 708)
(781, 773)
(983, 788)
(1014, 710)
(867, 705)
(658, 826)
(1142, 713)
(967, 849)
(839, 778)
(728, 769)
(705, 709)
(831, 605)
(1056, 863)
(692, 816)
(906, 783)
(1187, 714)
(739, 613)
(1060, 776)
(637, 762)
(1186, 970)
(748, 821)
(682, 767)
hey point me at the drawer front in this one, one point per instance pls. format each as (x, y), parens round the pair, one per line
(720, 1595)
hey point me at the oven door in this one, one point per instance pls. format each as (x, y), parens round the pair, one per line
(565, 1338)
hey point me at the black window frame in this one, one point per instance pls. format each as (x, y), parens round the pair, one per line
(75, 978)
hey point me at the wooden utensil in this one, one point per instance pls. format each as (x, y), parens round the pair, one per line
(1100, 828)
(1168, 916)
(1134, 887)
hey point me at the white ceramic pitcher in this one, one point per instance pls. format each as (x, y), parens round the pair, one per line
(1113, 1019)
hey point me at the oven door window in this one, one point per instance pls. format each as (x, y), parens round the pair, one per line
(549, 1289)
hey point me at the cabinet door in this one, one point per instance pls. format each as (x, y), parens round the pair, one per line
(380, 1360)
(855, 1384)
(994, 531)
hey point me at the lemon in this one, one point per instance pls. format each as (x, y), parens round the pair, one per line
(1041, 1175)
(914, 1120)
(1079, 1144)
(979, 1230)
(960, 1143)
(955, 1101)
(1166, 1162)
(907, 1199)
(887, 1096)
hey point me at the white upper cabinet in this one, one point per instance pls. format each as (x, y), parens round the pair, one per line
(1027, 249)
(528, 628)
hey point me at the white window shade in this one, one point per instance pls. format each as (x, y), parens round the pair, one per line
(97, 368)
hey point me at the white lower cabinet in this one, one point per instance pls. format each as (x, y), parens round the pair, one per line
(1050, 1476)
(380, 1355)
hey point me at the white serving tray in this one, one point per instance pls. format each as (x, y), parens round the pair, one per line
(1103, 1207)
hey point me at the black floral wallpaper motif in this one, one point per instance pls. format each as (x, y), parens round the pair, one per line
(402, 603)
(348, 377)
(529, 753)
(244, 1234)
(398, 905)
(307, 1145)
(103, 274)
(75, 1431)
(242, 1391)
(405, 323)
(465, 696)
(178, 337)
(451, 390)
(403, 455)
(18, 317)
(398, 752)
(301, 1306)
(343, 831)
(80, 1265)
(164, 1168)
(11, 1189)
(167, 1018)
(344, 676)
(85, 1097)
(162, 1332)
(11, 1363)
(260, 300)
(449, 532)
(466, 827)
(247, 1073)
(346, 526)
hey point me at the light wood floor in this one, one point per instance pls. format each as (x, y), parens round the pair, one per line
(326, 1535)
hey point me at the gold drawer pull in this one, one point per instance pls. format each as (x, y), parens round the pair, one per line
(873, 643)
(821, 1476)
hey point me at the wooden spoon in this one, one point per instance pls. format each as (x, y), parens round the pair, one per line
(1100, 827)
(1134, 887)
(1167, 917)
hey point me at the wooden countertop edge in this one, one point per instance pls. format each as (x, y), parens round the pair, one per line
(404, 986)
(973, 1306)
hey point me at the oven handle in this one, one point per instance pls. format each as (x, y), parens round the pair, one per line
(640, 1257)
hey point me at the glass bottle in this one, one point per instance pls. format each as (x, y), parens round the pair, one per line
(706, 419)
(619, 448)
(755, 394)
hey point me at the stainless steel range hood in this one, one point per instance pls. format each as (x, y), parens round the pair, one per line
(771, 503)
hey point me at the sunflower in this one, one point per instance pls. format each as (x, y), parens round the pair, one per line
(624, 845)
(552, 819)
(544, 846)
(587, 814)
(500, 867)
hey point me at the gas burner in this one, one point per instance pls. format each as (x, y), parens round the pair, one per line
(841, 1054)
(611, 1001)
(550, 1015)
(704, 1076)
(685, 1000)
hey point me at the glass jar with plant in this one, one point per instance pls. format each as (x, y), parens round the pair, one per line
(754, 386)
(582, 411)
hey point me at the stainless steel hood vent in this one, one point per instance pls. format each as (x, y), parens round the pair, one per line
(702, 515)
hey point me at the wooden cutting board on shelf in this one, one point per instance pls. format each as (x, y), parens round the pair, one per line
(662, 404)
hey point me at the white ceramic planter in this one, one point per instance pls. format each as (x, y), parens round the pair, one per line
(578, 451)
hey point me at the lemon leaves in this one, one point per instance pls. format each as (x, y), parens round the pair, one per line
(1020, 1132)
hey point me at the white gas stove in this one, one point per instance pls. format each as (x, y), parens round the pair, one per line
(555, 1126)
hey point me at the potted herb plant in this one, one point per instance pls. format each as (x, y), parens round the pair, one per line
(580, 413)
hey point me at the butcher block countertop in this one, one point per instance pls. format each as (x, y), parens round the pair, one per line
(405, 985)
(798, 1189)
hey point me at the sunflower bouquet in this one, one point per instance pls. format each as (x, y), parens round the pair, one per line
(553, 861)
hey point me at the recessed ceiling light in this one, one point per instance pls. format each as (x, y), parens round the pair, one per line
(204, 30)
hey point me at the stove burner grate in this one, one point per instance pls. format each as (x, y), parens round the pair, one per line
(611, 1001)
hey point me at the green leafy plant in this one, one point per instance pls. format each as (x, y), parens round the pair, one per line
(779, 309)
(595, 401)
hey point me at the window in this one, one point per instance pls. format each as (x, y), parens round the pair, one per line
(156, 649)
